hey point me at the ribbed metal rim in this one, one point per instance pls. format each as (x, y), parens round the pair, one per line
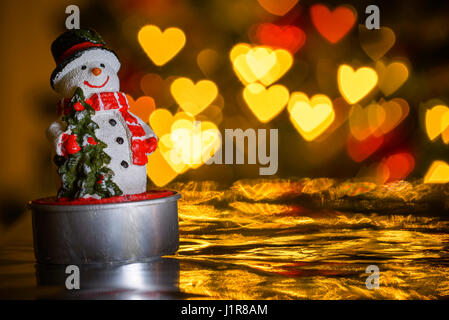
(103, 206)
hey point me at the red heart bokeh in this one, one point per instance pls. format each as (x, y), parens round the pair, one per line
(360, 150)
(332, 25)
(397, 166)
(286, 37)
(142, 107)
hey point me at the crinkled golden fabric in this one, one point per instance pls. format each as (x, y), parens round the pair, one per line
(250, 246)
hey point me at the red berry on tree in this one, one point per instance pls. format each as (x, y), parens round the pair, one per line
(100, 179)
(78, 106)
(91, 141)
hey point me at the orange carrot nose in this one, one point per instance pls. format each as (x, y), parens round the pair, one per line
(96, 71)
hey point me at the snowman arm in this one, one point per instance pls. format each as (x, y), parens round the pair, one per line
(148, 131)
(54, 135)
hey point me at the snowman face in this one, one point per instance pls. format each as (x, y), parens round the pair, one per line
(92, 77)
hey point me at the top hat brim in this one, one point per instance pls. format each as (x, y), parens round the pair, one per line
(82, 57)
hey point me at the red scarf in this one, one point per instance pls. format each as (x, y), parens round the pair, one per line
(140, 144)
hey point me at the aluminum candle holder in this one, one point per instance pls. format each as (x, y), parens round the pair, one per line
(106, 232)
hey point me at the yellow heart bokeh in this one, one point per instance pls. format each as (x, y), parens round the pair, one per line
(260, 60)
(158, 170)
(377, 118)
(384, 117)
(208, 60)
(395, 111)
(355, 85)
(376, 42)
(238, 50)
(310, 117)
(284, 61)
(193, 98)
(391, 77)
(437, 121)
(259, 63)
(361, 124)
(192, 143)
(265, 103)
(161, 121)
(445, 133)
(213, 113)
(183, 142)
(437, 173)
(160, 46)
(240, 64)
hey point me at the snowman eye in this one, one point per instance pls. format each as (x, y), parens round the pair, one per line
(102, 65)
(83, 68)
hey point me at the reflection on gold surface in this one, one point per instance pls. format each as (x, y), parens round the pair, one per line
(263, 250)
(198, 192)
(352, 189)
(265, 189)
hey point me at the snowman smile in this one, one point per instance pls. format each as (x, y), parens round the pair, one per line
(94, 86)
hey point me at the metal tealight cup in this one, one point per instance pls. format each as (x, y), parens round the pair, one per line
(103, 233)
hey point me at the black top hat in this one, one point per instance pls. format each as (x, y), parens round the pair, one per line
(78, 46)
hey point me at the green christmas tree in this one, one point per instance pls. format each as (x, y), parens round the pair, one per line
(83, 170)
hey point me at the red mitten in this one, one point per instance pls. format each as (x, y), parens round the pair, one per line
(151, 144)
(70, 145)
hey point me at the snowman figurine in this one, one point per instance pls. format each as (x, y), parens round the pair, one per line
(83, 62)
